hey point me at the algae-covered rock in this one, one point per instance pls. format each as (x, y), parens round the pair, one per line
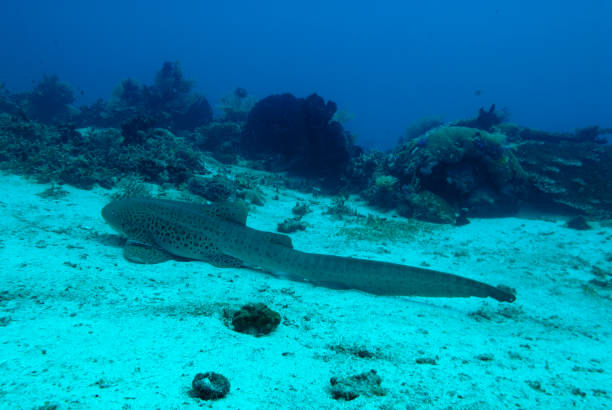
(222, 139)
(291, 225)
(300, 209)
(210, 386)
(575, 177)
(349, 388)
(255, 319)
(215, 189)
(384, 192)
(429, 207)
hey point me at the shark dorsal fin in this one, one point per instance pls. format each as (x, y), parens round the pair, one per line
(232, 211)
(282, 240)
(236, 212)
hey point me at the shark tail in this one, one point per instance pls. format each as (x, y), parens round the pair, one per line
(380, 278)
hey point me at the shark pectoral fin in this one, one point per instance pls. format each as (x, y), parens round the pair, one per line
(139, 252)
(331, 285)
(221, 260)
(318, 283)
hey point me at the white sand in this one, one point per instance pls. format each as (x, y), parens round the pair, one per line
(82, 328)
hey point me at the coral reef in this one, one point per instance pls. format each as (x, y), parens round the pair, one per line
(221, 139)
(568, 176)
(215, 189)
(427, 206)
(448, 173)
(170, 101)
(485, 120)
(420, 128)
(49, 101)
(384, 193)
(481, 167)
(237, 105)
(84, 157)
(298, 135)
(463, 167)
(593, 134)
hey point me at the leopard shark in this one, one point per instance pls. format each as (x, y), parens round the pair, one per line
(158, 230)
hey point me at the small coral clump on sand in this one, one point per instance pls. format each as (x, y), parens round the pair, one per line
(255, 319)
(364, 384)
(210, 386)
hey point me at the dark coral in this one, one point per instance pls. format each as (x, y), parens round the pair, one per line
(210, 386)
(421, 127)
(291, 225)
(172, 96)
(255, 319)
(49, 101)
(237, 105)
(429, 207)
(215, 189)
(593, 134)
(134, 130)
(578, 223)
(298, 135)
(383, 193)
(485, 120)
(221, 139)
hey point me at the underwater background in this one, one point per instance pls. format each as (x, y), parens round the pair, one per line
(320, 205)
(388, 64)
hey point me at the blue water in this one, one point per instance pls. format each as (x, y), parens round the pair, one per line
(388, 63)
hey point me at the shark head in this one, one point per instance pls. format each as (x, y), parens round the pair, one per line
(113, 215)
(127, 218)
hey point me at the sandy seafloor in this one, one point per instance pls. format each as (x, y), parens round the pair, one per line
(81, 328)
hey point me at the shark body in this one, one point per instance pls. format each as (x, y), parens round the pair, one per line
(158, 230)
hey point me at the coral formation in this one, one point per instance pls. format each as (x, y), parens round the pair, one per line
(482, 166)
(463, 167)
(568, 176)
(220, 139)
(215, 189)
(170, 101)
(291, 225)
(485, 120)
(49, 101)
(384, 193)
(84, 157)
(298, 135)
(209, 386)
(578, 223)
(300, 209)
(237, 105)
(255, 319)
(420, 128)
